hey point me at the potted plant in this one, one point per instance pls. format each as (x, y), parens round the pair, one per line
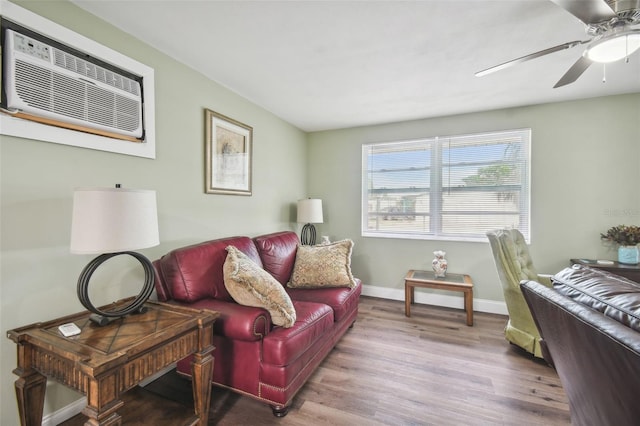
(627, 238)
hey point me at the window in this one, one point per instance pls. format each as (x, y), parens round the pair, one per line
(447, 188)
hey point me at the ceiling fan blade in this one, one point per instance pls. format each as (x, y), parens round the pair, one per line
(525, 58)
(574, 72)
(588, 11)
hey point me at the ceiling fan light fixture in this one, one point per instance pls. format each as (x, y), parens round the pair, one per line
(614, 48)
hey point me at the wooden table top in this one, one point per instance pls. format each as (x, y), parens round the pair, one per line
(117, 341)
(430, 276)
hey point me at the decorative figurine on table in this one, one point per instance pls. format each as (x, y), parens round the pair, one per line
(439, 263)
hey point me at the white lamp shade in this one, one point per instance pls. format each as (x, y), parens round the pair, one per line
(112, 220)
(310, 211)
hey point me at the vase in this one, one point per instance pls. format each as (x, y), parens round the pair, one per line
(439, 264)
(629, 255)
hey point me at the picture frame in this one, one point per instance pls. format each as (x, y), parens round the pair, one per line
(228, 154)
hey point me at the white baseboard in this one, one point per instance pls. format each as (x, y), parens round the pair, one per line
(447, 301)
(65, 413)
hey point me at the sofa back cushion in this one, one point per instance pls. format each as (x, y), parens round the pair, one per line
(195, 272)
(278, 253)
(613, 295)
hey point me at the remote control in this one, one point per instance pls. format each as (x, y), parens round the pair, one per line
(69, 329)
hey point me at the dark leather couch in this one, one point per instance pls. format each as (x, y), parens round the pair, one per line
(590, 325)
(253, 357)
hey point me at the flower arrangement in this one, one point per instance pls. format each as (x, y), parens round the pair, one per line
(623, 235)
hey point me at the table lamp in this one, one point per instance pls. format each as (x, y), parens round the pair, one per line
(309, 212)
(112, 222)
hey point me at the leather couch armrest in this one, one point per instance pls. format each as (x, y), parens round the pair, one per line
(236, 321)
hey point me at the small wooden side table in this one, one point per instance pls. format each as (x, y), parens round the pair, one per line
(104, 362)
(427, 279)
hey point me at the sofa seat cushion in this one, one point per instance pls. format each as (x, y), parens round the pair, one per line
(613, 295)
(282, 346)
(342, 300)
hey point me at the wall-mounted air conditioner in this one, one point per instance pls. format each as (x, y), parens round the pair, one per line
(62, 87)
(52, 85)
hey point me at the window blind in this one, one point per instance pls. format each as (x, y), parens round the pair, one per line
(452, 187)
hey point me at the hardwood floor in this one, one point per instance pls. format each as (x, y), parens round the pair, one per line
(430, 369)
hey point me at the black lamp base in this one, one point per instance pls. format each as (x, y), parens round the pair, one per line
(308, 235)
(102, 320)
(136, 306)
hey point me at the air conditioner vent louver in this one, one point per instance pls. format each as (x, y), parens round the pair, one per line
(93, 71)
(57, 93)
(45, 81)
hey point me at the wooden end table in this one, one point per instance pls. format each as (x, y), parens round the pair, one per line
(427, 279)
(105, 362)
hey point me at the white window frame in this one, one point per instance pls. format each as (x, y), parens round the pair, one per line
(434, 189)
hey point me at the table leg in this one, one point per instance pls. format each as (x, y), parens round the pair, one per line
(30, 389)
(107, 416)
(408, 298)
(468, 306)
(201, 372)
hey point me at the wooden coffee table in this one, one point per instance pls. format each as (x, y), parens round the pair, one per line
(427, 279)
(104, 362)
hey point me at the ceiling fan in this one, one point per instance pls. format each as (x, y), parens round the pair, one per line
(609, 22)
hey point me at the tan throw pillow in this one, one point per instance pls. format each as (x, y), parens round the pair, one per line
(250, 285)
(320, 266)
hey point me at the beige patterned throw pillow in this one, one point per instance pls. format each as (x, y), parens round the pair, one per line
(250, 285)
(323, 266)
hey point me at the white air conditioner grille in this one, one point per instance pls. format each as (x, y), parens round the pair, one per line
(94, 72)
(32, 84)
(111, 109)
(66, 92)
(51, 91)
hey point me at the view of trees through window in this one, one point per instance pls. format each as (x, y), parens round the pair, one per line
(455, 187)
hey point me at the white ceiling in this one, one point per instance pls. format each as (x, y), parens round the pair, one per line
(334, 64)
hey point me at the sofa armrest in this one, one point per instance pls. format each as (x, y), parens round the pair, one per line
(236, 321)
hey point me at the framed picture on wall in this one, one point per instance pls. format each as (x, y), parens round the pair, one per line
(228, 155)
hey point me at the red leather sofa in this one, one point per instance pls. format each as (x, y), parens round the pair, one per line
(253, 357)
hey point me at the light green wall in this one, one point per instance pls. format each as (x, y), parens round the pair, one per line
(38, 275)
(585, 178)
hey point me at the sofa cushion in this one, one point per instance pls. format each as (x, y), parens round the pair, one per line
(323, 266)
(283, 346)
(278, 253)
(250, 285)
(342, 300)
(613, 295)
(192, 273)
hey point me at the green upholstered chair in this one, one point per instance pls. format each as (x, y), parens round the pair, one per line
(514, 264)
